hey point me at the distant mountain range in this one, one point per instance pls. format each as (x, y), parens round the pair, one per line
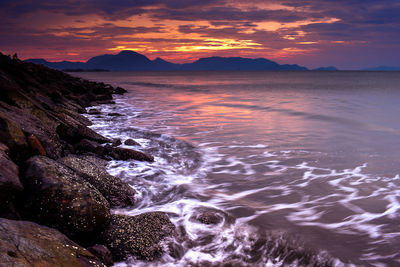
(330, 68)
(129, 60)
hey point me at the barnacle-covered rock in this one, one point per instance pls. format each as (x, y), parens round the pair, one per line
(138, 236)
(59, 197)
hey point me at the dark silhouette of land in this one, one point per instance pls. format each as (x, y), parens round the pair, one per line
(329, 68)
(133, 61)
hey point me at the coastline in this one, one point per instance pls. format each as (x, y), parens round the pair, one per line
(70, 190)
(54, 186)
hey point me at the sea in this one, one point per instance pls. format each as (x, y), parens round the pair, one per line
(295, 168)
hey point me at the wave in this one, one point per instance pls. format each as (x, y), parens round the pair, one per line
(176, 183)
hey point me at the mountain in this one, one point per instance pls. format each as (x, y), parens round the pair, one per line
(125, 60)
(59, 65)
(237, 63)
(383, 68)
(330, 68)
(130, 60)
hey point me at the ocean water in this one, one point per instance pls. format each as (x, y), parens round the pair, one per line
(302, 168)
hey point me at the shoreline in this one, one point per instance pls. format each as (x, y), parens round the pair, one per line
(59, 180)
(57, 185)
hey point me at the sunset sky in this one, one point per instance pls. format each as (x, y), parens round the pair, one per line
(349, 34)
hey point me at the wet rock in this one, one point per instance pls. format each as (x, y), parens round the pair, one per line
(137, 236)
(35, 146)
(114, 114)
(86, 146)
(117, 192)
(94, 111)
(30, 122)
(119, 91)
(131, 142)
(209, 217)
(120, 153)
(102, 253)
(29, 244)
(116, 143)
(101, 151)
(59, 197)
(12, 136)
(10, 185)
(73, 134)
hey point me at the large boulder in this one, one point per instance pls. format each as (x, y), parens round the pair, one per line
(102, 253)
(59, 197)
(10, 184)
(131, 142)
(16, 124)
(75, 133)
(29, 244)
(137, 236)
(117, 192)
(120, 153)
(12, 135)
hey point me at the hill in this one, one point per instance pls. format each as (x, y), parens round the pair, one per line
(133, 61)
(329, 68)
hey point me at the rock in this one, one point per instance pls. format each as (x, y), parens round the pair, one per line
(35, 146)
(29, 244)
(10, 184)
(102, 253)
(138, 236)
(58, 197)
(86, 146)
(119, 91)
(117, 192)
(116, 142)
(114, 114)
(131, 142)
(209, 217)
(94, 111)
(120, 153)
(32, 122)
(73, 134)
(12, 136)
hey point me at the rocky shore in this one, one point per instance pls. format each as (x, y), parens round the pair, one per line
(55, 193)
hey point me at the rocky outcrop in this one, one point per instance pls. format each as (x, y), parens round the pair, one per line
(12, 136)
(118, 193)
(59, 197)
(29, 244)
(209, 217)
(102, 253)
(73, 134)
(119, 91)
(139, 235)
(10, 185)
(131, 142)
(120, 153)
(44, 181)
(35, 146)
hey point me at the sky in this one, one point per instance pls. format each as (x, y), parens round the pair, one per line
(348, 34)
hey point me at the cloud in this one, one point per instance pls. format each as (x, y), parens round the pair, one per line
(288, 29)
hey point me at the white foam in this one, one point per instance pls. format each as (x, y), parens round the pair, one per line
(157, 183)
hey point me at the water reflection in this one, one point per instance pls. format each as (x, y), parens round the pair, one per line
(314, 155)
